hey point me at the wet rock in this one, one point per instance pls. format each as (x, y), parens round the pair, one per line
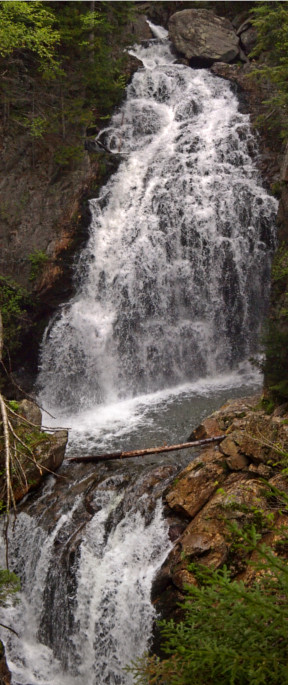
(201, 35)
(261, 470)
(209, 428)
(259, 439)
(224, 488)
(196, 484)
(176, 530)
(208, 538)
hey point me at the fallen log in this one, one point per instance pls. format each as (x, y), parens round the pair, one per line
(148, 450)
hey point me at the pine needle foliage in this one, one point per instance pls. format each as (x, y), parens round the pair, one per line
(271, 22)
(231, 634)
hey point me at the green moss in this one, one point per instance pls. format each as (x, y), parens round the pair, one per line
(37, 260)
(14, 405)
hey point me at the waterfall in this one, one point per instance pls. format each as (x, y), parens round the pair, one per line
(84, 611)
(173, 288)
(175, 278)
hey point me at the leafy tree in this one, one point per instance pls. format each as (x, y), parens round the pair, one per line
(29, 26)
(63, 68)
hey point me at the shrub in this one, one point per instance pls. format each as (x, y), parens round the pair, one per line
(231, 634)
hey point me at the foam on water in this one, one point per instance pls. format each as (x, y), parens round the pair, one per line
(143, 421)
(113, 613)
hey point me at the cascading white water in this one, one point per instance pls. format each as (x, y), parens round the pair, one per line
(84, 623)
(174, 280)
(174, 285)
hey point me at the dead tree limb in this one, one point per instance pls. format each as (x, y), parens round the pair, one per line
(149, 450)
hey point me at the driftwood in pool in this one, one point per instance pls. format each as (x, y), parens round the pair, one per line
(149, 450)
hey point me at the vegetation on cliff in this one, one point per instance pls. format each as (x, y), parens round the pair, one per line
(276, 335)
(63, 67)
(228, 568)
(63, 70)
(231, 634)
(271, 22)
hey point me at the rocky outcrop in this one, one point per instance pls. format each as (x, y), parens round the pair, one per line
(34, 453)
(234, 483)
(201, 35)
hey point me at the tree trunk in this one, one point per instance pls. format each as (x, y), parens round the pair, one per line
(149, 450)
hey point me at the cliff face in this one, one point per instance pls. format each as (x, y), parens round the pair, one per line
(47, 177)
(238, 483)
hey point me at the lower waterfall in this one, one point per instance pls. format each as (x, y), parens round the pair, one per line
(173, 289)
(83, 620)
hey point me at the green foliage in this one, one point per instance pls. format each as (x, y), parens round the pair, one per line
(14, 405)
(267, 404)
(37, 261)
(279, 272)
(14, 302)
(29, 26)
(36, 126)
(231, 634)
(64, 68)
(66, 154)
(271, 21)
(275, 338)
(9, 585)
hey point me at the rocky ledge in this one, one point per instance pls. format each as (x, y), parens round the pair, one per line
(34, 453)
(237, 482)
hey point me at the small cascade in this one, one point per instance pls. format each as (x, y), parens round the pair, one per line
(175, 278)
(85, 612)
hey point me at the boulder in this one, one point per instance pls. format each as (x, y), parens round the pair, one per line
(31, 412)
(248, 37)
(48, 456)
(203, 37)
(196, 484)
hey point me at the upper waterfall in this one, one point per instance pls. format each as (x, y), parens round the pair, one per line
(175, 276)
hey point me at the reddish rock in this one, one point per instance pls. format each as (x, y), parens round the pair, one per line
(196, 486)
(237, 462)
(229, 448)
(209, 428)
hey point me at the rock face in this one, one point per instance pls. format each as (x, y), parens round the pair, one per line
(202, 36)
(223, 486)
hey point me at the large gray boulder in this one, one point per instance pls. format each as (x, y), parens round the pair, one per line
(202, 36)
